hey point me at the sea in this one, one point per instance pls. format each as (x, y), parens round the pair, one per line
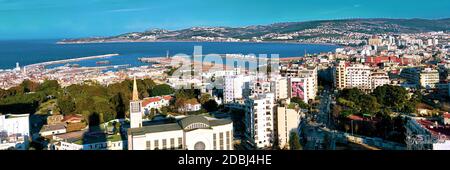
(26, 52)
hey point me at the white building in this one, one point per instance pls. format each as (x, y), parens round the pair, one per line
(236, 87)
(429, 78)
(288, 121)
(112, 142)
(48, 130)
(259, 118)
(135, 108)
(352, 76)
(155, 103)
(280, 87)
(14, 131)
(359, 76)
(302, 87)
(379, 79)
(191, 105)
(188, 133)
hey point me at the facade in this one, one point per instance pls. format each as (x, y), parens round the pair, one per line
(260, 87)
(429, 78)
(280, 87)
(188, 133)
(53, 129)
(340, 73)
(91, 141)
(191, 105)
(236, 87)
(14, 131)
(302, 87)
(303, 71)
(379, 79)
(259, 118)
(352, 76)
(155, 103)
(359, 76)
(288, 121)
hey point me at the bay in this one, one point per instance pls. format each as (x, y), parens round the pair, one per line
(35, 51)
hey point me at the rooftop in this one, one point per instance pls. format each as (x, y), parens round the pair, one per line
(180, 124)
(434, 128)
(53, 127)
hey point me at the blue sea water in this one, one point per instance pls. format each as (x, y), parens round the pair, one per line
(35, 51)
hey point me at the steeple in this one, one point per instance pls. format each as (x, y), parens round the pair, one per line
(135, 108)
(135, 91)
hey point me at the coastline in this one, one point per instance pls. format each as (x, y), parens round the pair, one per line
(192, 41)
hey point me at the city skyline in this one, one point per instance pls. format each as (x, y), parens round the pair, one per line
(37, 20)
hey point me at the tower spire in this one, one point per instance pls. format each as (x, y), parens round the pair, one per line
(135, 91)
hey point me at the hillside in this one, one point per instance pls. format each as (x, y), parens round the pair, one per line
(323, 31)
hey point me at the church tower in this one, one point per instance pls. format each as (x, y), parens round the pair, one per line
(135, 108)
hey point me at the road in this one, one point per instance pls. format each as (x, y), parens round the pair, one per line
(316, 125)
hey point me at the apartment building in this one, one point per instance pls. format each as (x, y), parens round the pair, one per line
(259, 118)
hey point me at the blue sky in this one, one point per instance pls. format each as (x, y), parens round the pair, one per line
(35, 19)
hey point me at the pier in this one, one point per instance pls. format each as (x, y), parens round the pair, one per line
(43, 64)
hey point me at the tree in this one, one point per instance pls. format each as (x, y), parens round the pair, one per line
(162, 89)
(66, 105)
(204, 98)
(294, 141)
(394, 97)
(117, 126)
(211, 106)
(300, 103)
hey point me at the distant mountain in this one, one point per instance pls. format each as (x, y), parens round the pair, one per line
(322, 31)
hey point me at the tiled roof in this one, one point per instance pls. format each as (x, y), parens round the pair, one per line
(149, 100)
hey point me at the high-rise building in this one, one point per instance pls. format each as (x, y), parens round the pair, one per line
(280, 87)
(429, 78)
(379, 78)
(259, 119)
(352, 76)
(288, 121)
(425, 78)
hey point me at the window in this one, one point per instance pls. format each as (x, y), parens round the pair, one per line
(148, 145)
(199, 146)
(228, 140)
(156, 145)
(221, 140)
(214, 141)
(164, 143)
(172, 143)
(180, 143)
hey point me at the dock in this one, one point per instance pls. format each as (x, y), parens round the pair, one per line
(43, 64)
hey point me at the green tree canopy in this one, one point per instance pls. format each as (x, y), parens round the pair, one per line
(294, 141)
(162, 89)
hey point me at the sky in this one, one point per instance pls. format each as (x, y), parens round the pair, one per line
(46, 19)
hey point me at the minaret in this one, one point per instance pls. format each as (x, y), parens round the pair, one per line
(135, 108)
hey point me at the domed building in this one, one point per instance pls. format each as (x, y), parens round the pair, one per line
(187, 133)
